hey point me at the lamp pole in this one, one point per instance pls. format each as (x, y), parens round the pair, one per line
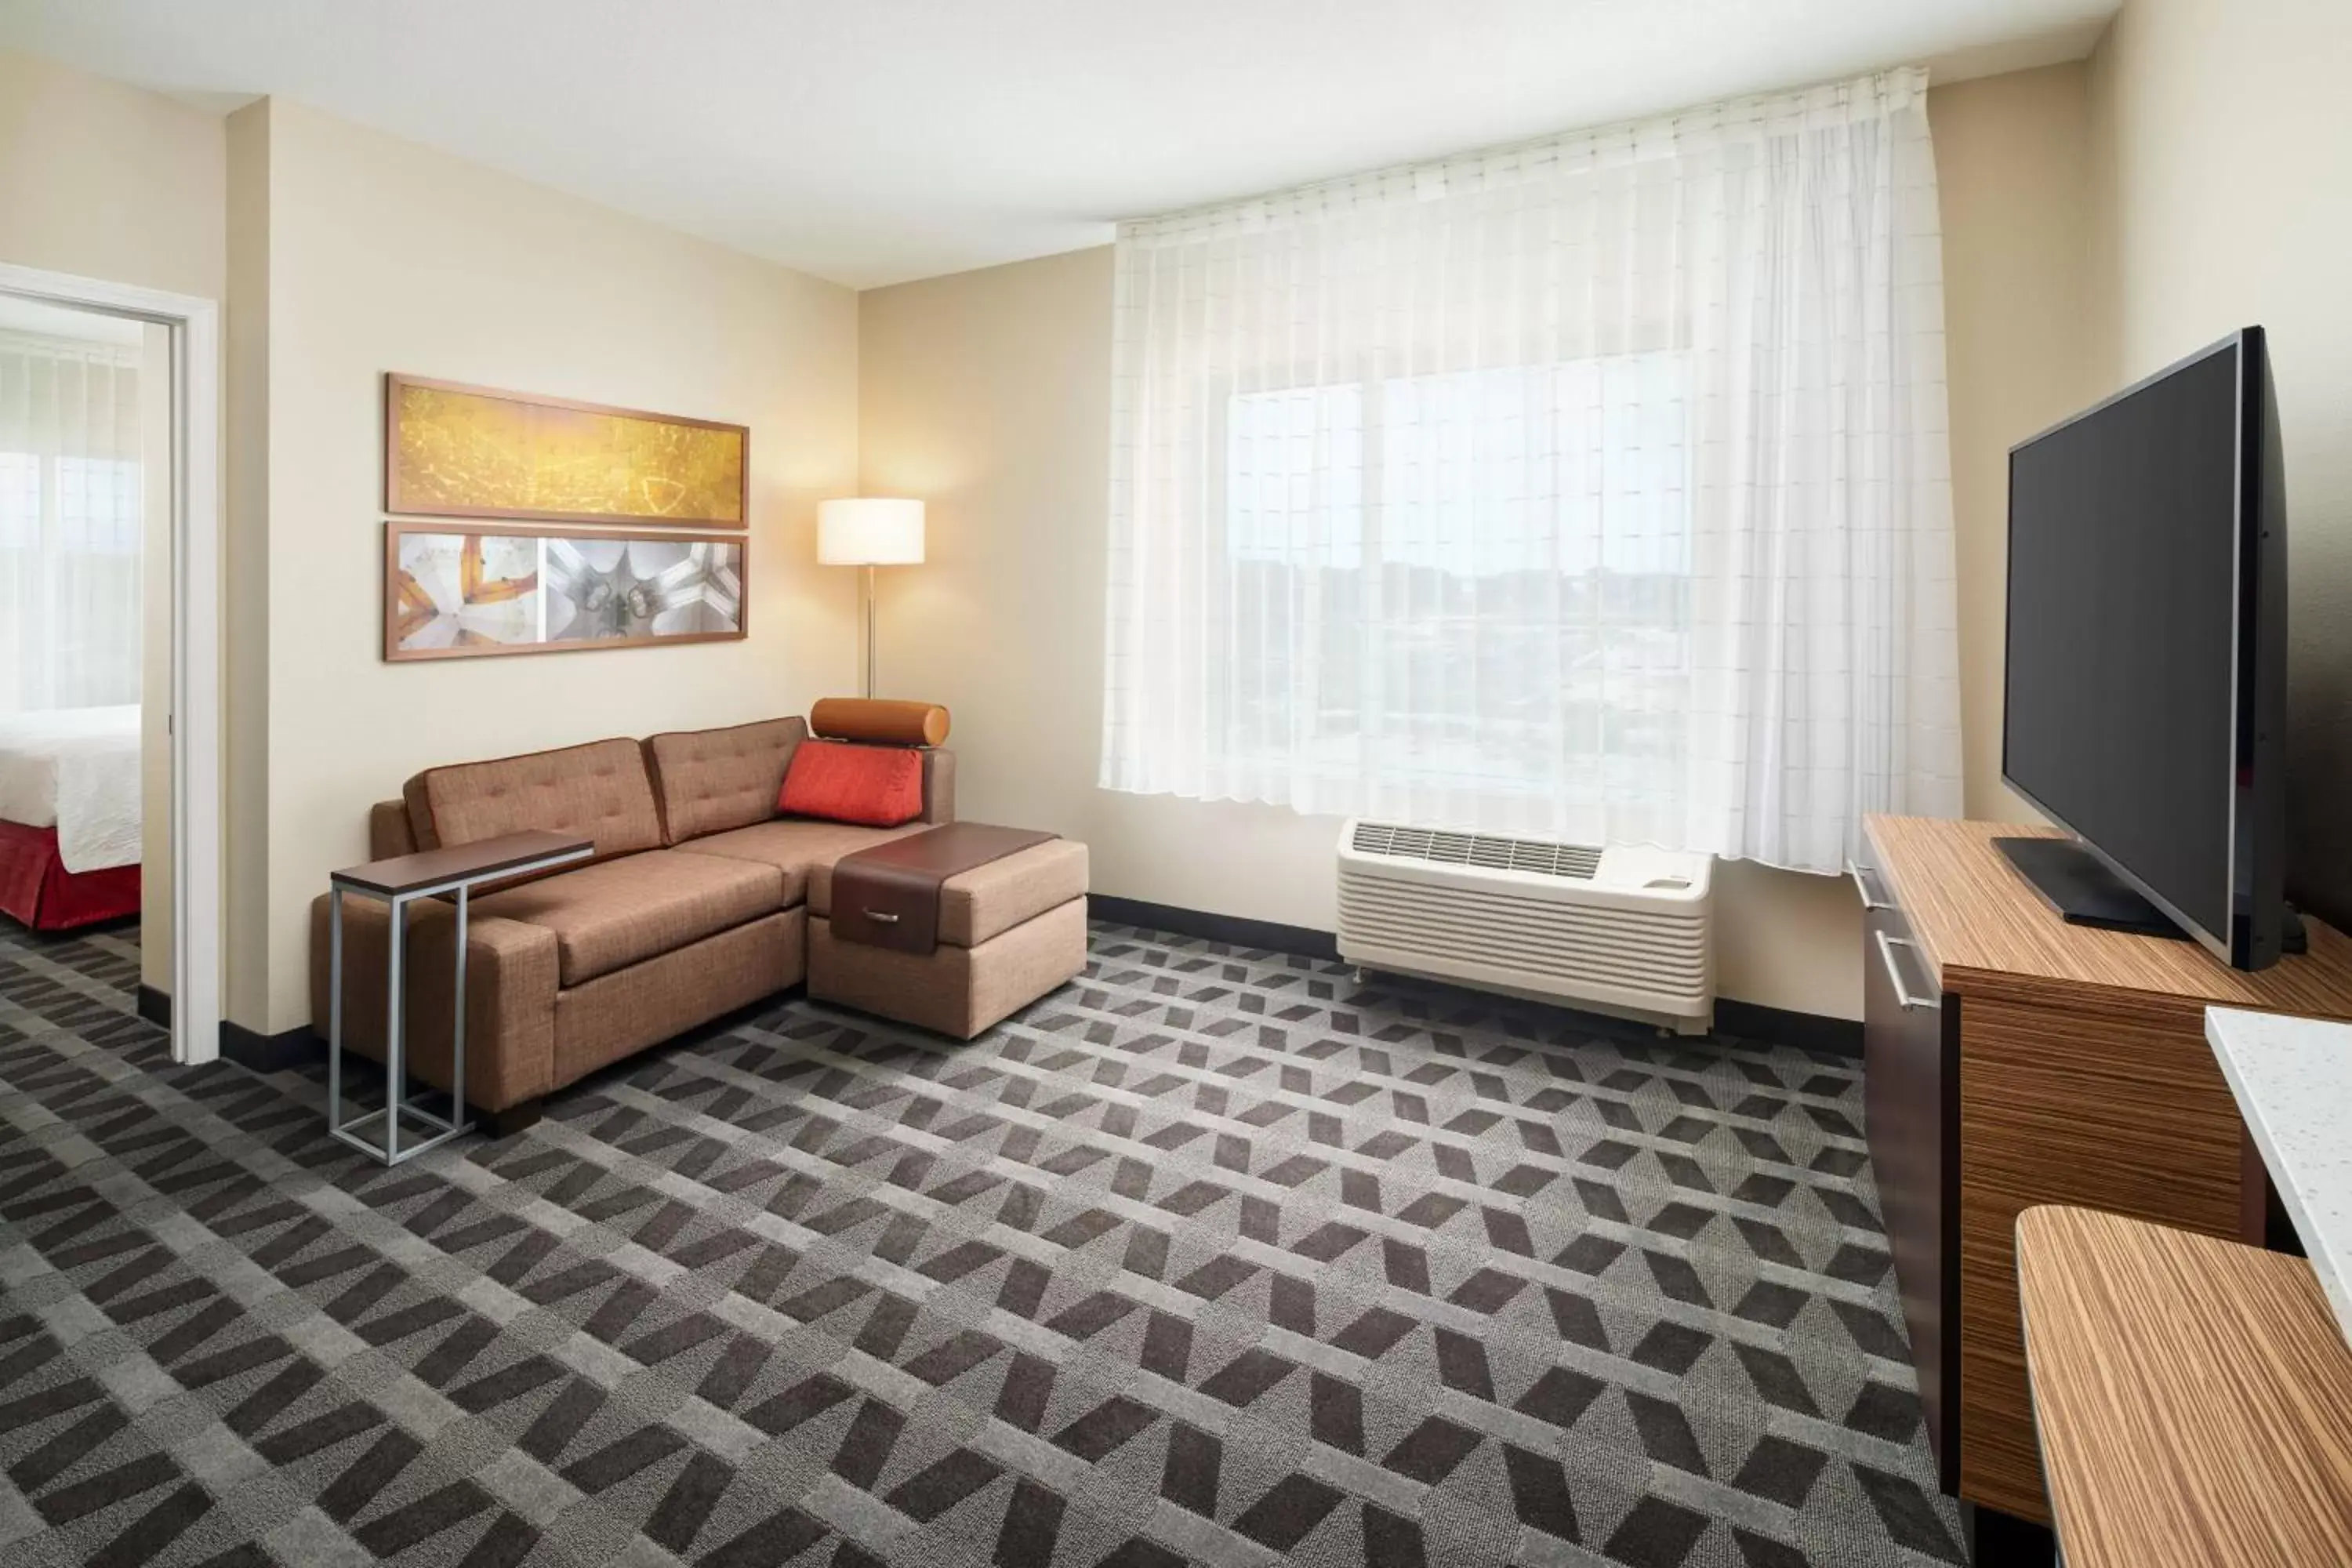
(869, 531)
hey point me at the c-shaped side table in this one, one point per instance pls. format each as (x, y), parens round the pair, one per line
(400, 882)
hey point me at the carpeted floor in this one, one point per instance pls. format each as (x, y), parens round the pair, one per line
(1216, 1256)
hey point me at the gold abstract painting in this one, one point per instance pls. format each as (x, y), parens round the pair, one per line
(451, 591)
(468, 451)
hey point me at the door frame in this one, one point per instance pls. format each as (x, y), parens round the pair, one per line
(194, 717)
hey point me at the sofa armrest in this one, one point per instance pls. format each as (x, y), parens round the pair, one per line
(510, 984)
(938, 785)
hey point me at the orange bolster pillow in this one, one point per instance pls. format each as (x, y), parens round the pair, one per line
(880, 722)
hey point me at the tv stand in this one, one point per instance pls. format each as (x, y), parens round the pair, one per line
(2014, 1060)
(2076, 883)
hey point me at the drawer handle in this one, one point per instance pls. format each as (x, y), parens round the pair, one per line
(887, 920)
(1887, 946)
(1857, 872)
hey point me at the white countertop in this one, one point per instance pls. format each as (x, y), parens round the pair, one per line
(2293, 1078)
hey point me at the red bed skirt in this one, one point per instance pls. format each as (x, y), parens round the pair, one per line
(36, 889)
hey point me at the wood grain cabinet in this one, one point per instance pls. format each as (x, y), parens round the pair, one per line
(2014, 1060)
(1911, 1115)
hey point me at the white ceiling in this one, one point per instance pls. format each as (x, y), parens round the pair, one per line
(874, 141)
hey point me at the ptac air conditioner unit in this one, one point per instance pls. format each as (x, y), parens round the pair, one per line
(1628, 931)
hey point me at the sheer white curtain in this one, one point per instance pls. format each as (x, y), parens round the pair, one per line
(1595, 487)
(69, 523)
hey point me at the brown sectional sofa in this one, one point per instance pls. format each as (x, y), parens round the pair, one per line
(698, 902)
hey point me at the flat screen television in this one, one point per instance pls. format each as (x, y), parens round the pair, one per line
(2145, 681)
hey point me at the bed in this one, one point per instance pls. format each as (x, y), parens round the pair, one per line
(70, 809)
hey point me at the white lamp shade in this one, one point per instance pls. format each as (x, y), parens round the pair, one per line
(869, 531)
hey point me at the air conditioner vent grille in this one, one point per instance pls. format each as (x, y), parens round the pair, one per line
(1492, 851)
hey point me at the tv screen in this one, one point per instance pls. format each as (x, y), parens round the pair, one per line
(2145, 630)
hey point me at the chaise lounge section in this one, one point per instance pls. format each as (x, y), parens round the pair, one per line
(696, 903)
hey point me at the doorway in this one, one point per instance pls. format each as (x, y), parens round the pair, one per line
(111, 357)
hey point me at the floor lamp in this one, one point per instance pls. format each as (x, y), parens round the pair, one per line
(869, 532)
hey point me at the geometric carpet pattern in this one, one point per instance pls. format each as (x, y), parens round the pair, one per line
(1216, 1256)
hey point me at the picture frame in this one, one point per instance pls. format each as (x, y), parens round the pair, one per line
(461, 590)
(451, 449)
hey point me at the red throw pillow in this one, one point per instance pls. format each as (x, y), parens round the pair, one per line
(878, 786)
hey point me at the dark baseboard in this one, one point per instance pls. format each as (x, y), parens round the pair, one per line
(1779, 1026)
(156, 1007)
(1746, 1020)
(270, 1053)
(1272, 935)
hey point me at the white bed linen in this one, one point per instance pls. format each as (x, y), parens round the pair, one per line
(76, 768)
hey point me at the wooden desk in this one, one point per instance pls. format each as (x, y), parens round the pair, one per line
(2194, 1397)
(2036, 1063)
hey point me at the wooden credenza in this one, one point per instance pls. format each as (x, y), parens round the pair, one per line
(2014, 1060)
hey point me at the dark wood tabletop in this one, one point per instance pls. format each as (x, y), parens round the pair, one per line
(464, 862)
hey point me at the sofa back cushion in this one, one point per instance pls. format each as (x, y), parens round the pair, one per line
(600, 791)
(389, 833)
(712, 781)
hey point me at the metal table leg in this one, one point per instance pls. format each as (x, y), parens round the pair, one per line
(388, 1145)
(395, 1033)
(458, 1122)
(391, 1148)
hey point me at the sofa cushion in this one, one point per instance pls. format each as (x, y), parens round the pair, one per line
(614, 913)
(713, 780)
(601, 791)
(794, 847)
(841, 781)
(977, 904)
(613, 1014)
(420, 813)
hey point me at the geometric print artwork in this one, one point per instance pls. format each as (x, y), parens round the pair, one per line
(456, 589)
(1215, 1256)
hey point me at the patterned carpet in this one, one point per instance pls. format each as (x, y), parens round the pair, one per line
(1215, 1256)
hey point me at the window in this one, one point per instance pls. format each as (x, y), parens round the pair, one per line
(98, 506)
(1526, 531)
(71, 524)
(1593, 487)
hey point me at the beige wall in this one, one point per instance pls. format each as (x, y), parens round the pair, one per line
(383, 256)
(987, 394)
(245, 576)
(109, 181)
(2010, 169)
(2221, 199)
(102, 180)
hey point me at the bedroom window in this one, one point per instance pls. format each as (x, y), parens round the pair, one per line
(1594, 487)
(70, 527)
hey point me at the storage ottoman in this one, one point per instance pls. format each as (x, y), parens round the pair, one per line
(1010, 931)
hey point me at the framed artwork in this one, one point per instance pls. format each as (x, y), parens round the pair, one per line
(451, 450)
(456, 591)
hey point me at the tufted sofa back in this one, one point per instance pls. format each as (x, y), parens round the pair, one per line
(601, 790)
(713, 780)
